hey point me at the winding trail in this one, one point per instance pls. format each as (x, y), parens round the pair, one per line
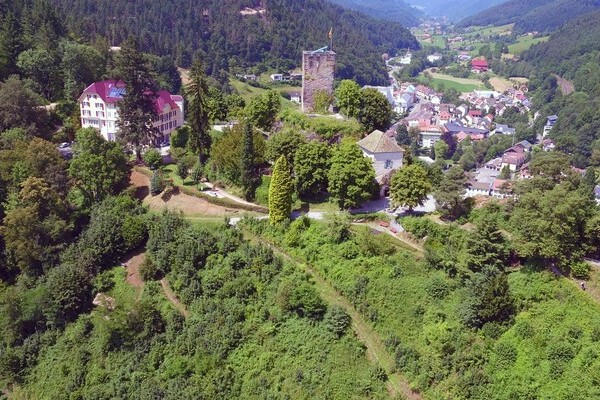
(376, 351)
(134, 278)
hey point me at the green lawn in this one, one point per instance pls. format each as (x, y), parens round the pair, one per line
(524, 43)
(461, 87)
(490, 30)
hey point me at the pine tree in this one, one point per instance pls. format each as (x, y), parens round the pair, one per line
(10, 46)
(249, 178)
(137, 110)
(197, 112)
(280, 192)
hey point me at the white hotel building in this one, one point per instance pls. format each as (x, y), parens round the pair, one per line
(98, 105)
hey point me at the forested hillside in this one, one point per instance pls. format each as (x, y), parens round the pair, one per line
(532, 15)
(231, 41)
(391, 10)
(453, 9)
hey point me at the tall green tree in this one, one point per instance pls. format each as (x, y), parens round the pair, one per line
(376, 111)
(262, 110)
(250, 177)
(284, 143)
(19, 108)
(450, 191)
(347, 96)
(551, 225)
(280, 192)
(137, 109)
(197, 112)
(11, 46)
(311, 166)
(409, 187)
(36, 230)
(487, 247)
(99, 168)
(351, 176)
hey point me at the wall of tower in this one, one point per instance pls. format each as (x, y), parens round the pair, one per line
(318, 69)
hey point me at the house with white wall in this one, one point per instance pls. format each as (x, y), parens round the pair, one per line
(99, 109)
(385, 154)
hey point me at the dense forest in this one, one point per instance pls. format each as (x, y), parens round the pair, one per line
(532, 15)
(453, 9)
(232, 42)
(391, 10)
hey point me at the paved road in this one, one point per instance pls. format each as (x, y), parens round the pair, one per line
(220, 193)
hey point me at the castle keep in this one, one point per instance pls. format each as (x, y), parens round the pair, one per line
(318, 68)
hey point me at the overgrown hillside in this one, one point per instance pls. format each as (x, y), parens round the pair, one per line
(234, 35)
(256, 329)
(391, 10)
(476, 332)
(533, 15)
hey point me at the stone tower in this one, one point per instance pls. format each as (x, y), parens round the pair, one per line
(318, 68)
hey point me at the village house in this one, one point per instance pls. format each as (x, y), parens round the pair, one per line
(387, 91)
(99, 109)
(503, 130)
(549, 124)
(430, 134)
(479, 66)
(433, 58)
(385, 154)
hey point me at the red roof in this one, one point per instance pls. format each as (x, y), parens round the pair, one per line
(479, 63)
(111, 91)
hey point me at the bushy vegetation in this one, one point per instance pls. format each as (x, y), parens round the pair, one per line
(256, 327)
(425, 309)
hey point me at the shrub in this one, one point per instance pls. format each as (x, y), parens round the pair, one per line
(437, 288)
(182, 169)
(153, 159)
(197, 172)
(580, 270)
(148, 270)
(157, 183)
(506, 353)
(337, 320)
(417, 226)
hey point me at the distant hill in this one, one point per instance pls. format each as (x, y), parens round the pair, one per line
(241, 33)
(453, 9)
(533, 15)
(391, 10)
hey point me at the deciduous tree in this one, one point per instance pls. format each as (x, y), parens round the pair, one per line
(98, 167)
(376, 112)
(351, 176)
(311, 166)
(347, 96)
(409, 187)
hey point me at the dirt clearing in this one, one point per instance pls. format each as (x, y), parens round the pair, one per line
(175, 200)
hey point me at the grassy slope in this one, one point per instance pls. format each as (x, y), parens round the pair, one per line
(527, 360)
(524, 43)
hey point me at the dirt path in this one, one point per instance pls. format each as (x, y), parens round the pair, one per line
(132, 266)
(376, 350)
(566, 87)
(398, 236)
(177, 201)
(173, 298)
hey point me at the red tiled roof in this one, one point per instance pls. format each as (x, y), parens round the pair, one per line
(106, 91)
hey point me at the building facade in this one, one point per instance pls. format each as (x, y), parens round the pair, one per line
(99, 109)
(318, 69)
